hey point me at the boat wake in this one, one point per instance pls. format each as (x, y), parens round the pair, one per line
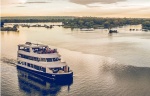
(9, 61)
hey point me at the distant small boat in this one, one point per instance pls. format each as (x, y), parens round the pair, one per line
(87, 29)
(113, 31)
(144, 29)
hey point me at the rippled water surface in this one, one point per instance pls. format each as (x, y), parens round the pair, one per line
(103, 64)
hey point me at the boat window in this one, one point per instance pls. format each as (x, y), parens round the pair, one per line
(56, 59)
(35, 50)
(43, 60)
(49, 59)
(26, 57)
(25, 63)
(52, 59)
(40, 68)
(28, 64)
(21, 48)
(19, 62)
(43, 69)
(22, 55)
(35, 59)
(31, 58)
(27, 49)
(32, 65)
(55, 70)
(36, 67)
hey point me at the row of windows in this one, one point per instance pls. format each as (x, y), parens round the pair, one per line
(39, 59)
(24, 49)
(33, 66)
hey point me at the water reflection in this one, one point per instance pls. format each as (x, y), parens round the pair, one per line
(127, 72)
(129, 80)
(34, 85)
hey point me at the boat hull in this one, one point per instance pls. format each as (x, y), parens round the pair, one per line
(54, 77)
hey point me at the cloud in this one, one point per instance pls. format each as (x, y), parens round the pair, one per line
(85, 2)
(36, 2)
(5, 2)
(20, 6)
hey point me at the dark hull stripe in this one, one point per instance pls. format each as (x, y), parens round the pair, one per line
(59, 77)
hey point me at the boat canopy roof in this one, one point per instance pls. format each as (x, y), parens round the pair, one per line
(32, 45)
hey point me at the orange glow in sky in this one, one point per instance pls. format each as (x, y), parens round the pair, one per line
(98, 8)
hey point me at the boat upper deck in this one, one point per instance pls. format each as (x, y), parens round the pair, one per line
(32, 45)
(36, 48)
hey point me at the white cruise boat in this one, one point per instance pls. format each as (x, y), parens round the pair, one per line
(40, 59)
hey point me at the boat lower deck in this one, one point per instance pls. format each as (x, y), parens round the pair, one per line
(54, 77)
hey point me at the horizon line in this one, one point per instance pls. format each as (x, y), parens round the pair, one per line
(77, 16)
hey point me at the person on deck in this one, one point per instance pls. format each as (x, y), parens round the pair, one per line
(48, 50)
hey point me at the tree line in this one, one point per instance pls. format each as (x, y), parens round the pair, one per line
(84, 22)
(94, 22)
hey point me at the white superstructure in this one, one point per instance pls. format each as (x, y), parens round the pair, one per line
(42, 59)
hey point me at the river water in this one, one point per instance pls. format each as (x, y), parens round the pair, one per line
(103, 64)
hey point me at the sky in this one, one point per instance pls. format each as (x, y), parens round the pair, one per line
(94, 8)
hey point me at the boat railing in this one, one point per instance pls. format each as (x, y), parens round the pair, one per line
(42, 51)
